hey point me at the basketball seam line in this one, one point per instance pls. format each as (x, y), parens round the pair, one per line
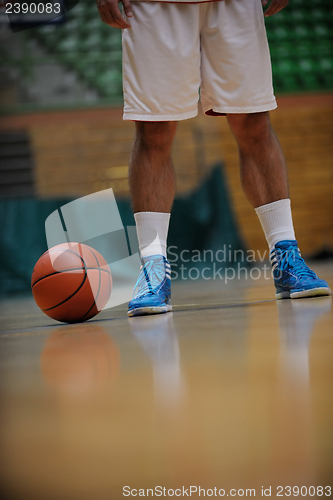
(69, 270)
(62, 302)
(99, 287)
(80, 286)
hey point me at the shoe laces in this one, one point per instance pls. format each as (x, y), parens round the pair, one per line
(291, 258)
(151, 277)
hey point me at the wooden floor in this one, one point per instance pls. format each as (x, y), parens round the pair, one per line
(233, 391)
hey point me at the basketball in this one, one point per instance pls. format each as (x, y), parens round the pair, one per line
(71, 282)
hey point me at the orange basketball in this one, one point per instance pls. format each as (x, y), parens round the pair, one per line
(71, 282)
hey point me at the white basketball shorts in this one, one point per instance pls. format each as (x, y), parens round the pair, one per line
(175, 49)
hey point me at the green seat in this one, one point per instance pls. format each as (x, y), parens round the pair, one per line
(326, 65)
(109, 82)
(91, 42)
(301, 32)
(322, 31)
(93, 24)
(304, 49)
(318, 15)
(282, 50)
(300, 3)
(279, 34)
(286, 83)
(68, 44)
(286, 67)
(324, 48)
(298, 16)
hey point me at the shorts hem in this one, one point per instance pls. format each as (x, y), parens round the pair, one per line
(223, 110)
(159, 117)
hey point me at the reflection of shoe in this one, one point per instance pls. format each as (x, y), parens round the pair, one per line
(292, 277)
(158, 337)
(152, 291)
(297, 319)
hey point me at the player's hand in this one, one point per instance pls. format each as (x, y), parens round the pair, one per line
(110, 13)
(275, 6)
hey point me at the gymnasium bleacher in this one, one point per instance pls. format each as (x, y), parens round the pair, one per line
(301, 43)
(88, 46)
(300, 36)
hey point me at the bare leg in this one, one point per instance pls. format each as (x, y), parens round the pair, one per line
(262, 164)
(151, 173)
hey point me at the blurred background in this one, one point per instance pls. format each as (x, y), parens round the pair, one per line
(62, 136)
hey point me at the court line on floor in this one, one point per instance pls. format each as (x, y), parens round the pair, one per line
(201, 307)
(40, 330)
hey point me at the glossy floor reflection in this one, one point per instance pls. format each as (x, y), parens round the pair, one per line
(230, 391)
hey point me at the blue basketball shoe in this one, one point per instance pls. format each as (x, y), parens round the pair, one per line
(292, 277)
(152, 291)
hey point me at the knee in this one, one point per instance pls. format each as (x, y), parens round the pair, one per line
(252, 126)
(155, 135)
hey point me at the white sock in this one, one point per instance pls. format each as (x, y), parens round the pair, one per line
(276, 221)
(152, 230)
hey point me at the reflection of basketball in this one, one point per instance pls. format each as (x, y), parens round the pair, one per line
(71, 282)
(77, 360)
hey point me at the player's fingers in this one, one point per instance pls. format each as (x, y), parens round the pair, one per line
(105, 16)
(118, 21)
(127, 8)
(114, 21)
(276, 6)
(111, 15)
